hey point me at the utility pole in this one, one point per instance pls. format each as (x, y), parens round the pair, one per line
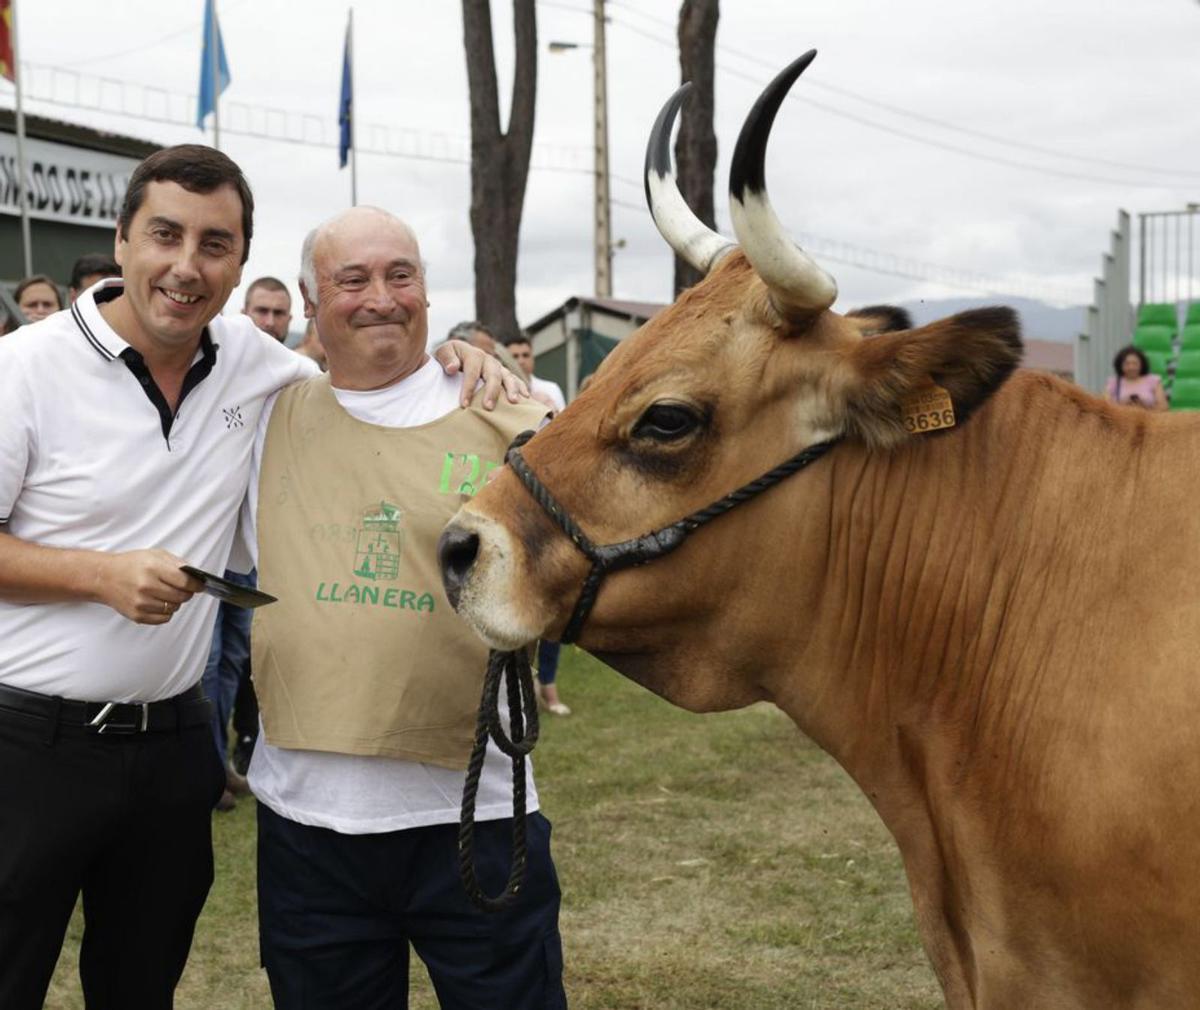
(22, 189)
(600, 101)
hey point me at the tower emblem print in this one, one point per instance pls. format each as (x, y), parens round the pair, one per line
(379, 543)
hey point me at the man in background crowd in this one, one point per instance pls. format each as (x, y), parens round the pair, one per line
(37, 297)
(269, 304)
(479, 335)
(88, 270)
(521, 349)
(227, 682)
(311, 346)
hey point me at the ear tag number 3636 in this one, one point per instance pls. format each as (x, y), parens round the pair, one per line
(928, 409)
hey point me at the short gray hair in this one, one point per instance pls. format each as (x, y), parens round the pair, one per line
(308, 271)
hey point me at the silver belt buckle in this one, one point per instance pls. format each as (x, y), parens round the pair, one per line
(101, 724)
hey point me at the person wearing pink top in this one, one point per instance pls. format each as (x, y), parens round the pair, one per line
(1134, 384)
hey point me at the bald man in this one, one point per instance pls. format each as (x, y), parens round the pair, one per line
(367, 680)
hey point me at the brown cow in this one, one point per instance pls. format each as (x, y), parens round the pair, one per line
(992, 628)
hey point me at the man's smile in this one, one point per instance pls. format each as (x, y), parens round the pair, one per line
(180, 297)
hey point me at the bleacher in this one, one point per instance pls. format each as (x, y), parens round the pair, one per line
(1172, 351)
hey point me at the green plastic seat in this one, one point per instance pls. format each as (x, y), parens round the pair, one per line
(1158, 361)
(1193, 313)
(1185, 394)
(1154, 338)
(1189, 337)
(1188, 365)
(1158, 314)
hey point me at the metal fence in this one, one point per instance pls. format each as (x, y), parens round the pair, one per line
(1168, 256)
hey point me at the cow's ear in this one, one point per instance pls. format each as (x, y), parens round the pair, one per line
(969, 355)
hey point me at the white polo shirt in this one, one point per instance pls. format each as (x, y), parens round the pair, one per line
(550, 389)
(90, 457)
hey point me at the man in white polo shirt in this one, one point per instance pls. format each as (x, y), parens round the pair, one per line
(126, 427)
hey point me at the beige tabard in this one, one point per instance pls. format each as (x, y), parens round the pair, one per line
(363, 653)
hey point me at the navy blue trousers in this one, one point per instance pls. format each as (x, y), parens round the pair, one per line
(337, 913)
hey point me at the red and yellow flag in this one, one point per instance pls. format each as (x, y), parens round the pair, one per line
(7, 68)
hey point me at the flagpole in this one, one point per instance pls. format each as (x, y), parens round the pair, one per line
(353, 117)
(22, 188)
(214, 60)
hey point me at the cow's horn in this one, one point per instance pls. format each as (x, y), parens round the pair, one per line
(797, 284)
(690, 237)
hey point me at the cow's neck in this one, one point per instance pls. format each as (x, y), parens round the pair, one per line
(945, 561)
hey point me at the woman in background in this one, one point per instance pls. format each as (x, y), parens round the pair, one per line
(1134, 384)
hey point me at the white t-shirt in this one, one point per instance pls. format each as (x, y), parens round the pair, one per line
(350, 793)
(550, 389)
(88, 460)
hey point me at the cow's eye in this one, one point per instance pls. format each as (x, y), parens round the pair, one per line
(666, 422)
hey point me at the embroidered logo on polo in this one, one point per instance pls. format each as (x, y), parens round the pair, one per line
(233, 417)
(378, 546)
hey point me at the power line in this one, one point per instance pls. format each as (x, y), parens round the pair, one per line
(880, 262)
(59, 87)
(930, 120)
(152, 44)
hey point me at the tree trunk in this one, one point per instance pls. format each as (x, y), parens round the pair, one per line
(696, 146)
(499, 160)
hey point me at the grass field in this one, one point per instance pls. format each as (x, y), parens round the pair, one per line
(717, 862)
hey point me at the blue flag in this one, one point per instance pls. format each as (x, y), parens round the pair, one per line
(210, 89)
(345, 106)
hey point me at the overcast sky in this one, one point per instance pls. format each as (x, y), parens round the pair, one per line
(963, 98)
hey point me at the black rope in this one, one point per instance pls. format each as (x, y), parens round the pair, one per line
(513, 667)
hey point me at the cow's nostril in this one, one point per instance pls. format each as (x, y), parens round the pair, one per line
(457, 550)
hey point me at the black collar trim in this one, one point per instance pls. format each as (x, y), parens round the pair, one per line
(103, 351)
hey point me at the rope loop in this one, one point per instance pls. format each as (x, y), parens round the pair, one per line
(513, 669)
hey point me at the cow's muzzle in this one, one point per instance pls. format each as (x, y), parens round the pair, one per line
(457, 549)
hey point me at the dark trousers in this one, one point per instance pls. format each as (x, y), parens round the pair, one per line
(126, 821)
(245, 713)
(228, 663)
(337, 913)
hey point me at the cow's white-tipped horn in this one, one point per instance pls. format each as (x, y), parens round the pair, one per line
(690, 237)
(797, 283)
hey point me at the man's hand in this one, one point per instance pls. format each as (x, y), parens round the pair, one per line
(458, 356)
(145, 586)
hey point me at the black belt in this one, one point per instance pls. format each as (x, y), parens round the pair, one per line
(112, 717)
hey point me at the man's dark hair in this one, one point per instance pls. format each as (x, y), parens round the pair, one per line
(1124, 353)
(268, 284)
(520, 338)
(93, 264)
(196, 168)
(896, 317)
(461, 331)
(33, 279)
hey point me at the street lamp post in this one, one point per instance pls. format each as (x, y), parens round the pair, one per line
(603, 250)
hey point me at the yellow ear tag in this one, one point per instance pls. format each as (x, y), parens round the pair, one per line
(928, 409)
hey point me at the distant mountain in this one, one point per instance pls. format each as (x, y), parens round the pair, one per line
(1039, 321)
